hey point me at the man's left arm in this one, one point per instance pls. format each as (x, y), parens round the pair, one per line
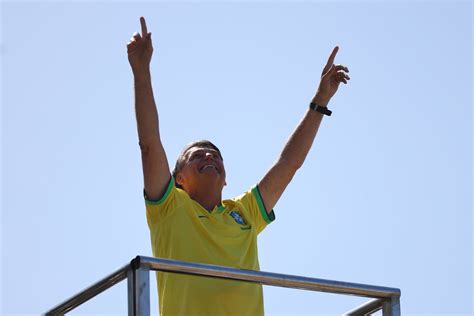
(275, 181)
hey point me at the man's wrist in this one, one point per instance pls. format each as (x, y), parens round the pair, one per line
(142, 76)
(320, 101)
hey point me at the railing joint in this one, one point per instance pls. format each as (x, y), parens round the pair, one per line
(135, 263)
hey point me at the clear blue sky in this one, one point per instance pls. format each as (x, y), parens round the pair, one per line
(384, 197)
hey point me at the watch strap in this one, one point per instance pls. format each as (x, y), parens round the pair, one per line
(321, 109)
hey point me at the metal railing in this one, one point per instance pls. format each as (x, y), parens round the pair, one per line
(137, 273)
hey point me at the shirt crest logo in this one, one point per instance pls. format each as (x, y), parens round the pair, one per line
(237, 217)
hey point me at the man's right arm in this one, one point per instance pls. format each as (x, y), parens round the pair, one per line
(155, 164)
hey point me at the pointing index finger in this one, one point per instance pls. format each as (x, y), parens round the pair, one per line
(144, 29)
(332, 56)
(330, 61)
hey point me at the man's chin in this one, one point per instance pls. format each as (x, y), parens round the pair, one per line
(210, 179)
(210, 173)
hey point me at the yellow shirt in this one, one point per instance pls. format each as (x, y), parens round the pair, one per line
(182, 229)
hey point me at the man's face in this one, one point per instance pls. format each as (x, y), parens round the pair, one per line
(202, 166)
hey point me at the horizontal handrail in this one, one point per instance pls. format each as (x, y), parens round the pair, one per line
(267, 278)
(380, 293)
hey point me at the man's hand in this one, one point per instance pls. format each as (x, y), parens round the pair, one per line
(331, 77)
(140, 50)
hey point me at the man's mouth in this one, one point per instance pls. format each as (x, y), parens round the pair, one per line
(209, 166)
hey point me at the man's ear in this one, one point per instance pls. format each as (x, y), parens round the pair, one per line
(179, 178)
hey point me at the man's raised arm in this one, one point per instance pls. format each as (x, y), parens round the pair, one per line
(155, 164)
(274, 182)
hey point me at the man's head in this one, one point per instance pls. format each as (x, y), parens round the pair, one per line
(200, 163)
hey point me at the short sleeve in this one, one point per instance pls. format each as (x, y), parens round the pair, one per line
(156, 209)
(254, 208)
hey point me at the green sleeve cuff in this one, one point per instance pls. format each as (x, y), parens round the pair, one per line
(268, 217)
(163, 198)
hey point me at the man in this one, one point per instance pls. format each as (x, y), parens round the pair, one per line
(187, 217)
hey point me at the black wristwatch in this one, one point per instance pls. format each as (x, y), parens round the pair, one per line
(321, 109)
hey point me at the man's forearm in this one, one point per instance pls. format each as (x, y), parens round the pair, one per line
(145, 109)
(296, 149)
(290, 160)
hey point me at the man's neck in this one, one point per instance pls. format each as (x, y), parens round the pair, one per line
(208, 201)
(208, 198)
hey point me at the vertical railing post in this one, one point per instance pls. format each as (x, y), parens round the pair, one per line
(130, 282)
(396, 310)
(391, 307)
(138, 292)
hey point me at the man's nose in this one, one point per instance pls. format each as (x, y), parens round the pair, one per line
(209, 156)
